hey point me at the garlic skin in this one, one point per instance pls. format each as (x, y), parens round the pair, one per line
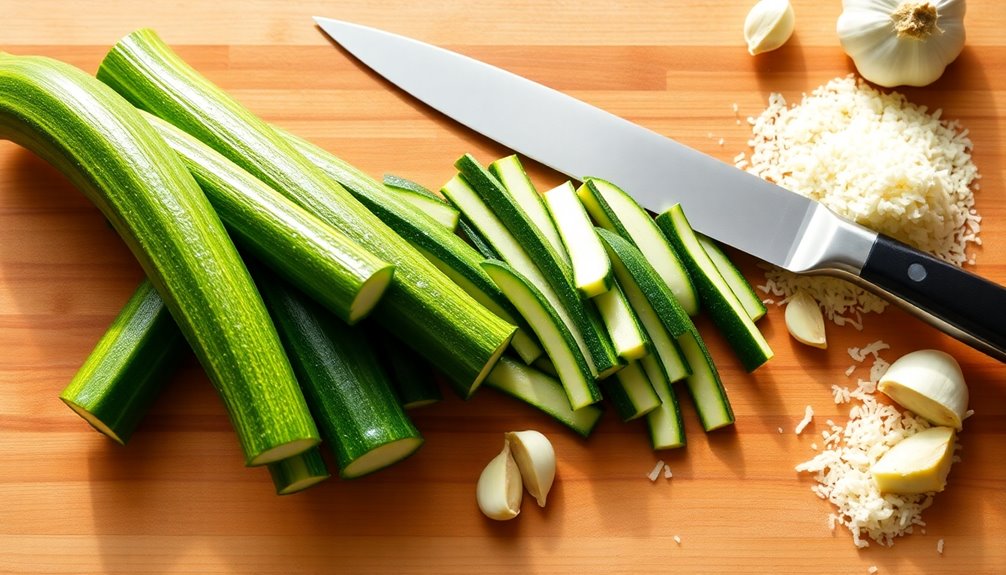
(535, 459)
(804, 320)
(768, 25)
(902, 42)
(500, 490)
(929, 383)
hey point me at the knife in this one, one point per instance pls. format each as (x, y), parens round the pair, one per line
(728, 204)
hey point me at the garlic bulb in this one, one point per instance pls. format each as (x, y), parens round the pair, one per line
(919, 463)
(902, 42)
(929, 383)
(805, 321)
(500, 489)
(768, 25)
(535, 459)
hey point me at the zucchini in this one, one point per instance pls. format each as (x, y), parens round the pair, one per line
(543, 392)
(434, 316)
(551, 331)
(753, 304)
(319, 260)
(598, 351)
(591, 268)
(120, 163)
(424, 200)
(445, 250)
(631, 393)
(297, 473)
(511, 174)
(616, 211)
(667, 429)
(717, 298)
(412, 377)
(627, 335)
(477, 241)
(349, 393)
(126, 371)
(703, 380)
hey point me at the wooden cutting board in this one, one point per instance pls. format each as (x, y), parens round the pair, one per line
(178, 500)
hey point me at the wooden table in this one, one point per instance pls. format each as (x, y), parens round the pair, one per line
(178, 500)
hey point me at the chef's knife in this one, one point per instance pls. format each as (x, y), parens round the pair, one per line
(721, 201)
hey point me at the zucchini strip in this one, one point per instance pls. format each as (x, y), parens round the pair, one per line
(411, 376)
(739, 284)
(666, 427)
(445, 250)
(718, 299)
(591, 267)
(441, 321)
(120, 163)
(631, 392)
(319, 260)
(127, 369)
(359, 416)
(424, 200)
(510, 172)
(543, 392)
(297, 473)
(627, 335)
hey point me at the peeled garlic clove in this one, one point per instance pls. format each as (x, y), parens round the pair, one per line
(919, 463)
(535, 458)
(805, 321)
(929, 383)
(768, 25)
(500, 490)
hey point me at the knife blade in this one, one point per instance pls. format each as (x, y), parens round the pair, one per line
(728, 204)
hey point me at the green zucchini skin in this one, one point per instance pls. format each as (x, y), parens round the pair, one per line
(297, 473)
(321, 261)
(412, 377)
(739, 284)
(119, 162)
(631, 392)
(128, 367)
(436, 317)
(350, 395)
(422, 199)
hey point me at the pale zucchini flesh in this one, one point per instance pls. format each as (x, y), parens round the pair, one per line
(719, 301)
(440, 320)
(424, 200)
(581, 390)
(745, 292)
(118, 161)
(544, 392)
(616, 211)
(297, 473)
(631, 392)
(591, 267)
(510, 172)
(627, 334)
(667, 429)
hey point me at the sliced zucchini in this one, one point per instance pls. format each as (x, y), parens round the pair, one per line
(543, 392)
(717, 298)
(667, 430)
(477, 241)
(616, 211)
(631, 393)
(551, 331)
(412, 377)
(511, 174)
(655, 321)
(627, 334)
(703, 380)
(591, 268)
(297, 473)
(424, 200)
(739, 284)
(565, 303)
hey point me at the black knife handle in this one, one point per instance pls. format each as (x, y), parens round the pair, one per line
(961, 303)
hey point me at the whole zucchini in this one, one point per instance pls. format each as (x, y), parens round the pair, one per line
(435, 316)
(103, 145)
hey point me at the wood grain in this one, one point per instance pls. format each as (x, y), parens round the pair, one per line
(177, 499)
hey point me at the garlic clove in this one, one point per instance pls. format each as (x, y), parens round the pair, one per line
(919, 463)
(499, 491)
(768, 25)
(805, 321)
(535, 458)
(930, 384)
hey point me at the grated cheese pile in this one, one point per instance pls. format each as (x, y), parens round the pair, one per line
(842, 469)
(876, 159)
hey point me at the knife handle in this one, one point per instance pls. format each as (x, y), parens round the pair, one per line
(962, 304)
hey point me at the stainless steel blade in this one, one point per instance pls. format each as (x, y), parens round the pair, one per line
(580, 140)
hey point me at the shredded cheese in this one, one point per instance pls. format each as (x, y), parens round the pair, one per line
(808, 416)
(874, 158)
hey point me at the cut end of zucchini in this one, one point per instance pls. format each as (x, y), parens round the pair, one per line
(300, 485)
(490, 365)
(381, 457)
(283, 451)
(370, 293)
(93, 420)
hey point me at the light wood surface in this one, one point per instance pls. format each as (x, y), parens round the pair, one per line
(178, 500)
